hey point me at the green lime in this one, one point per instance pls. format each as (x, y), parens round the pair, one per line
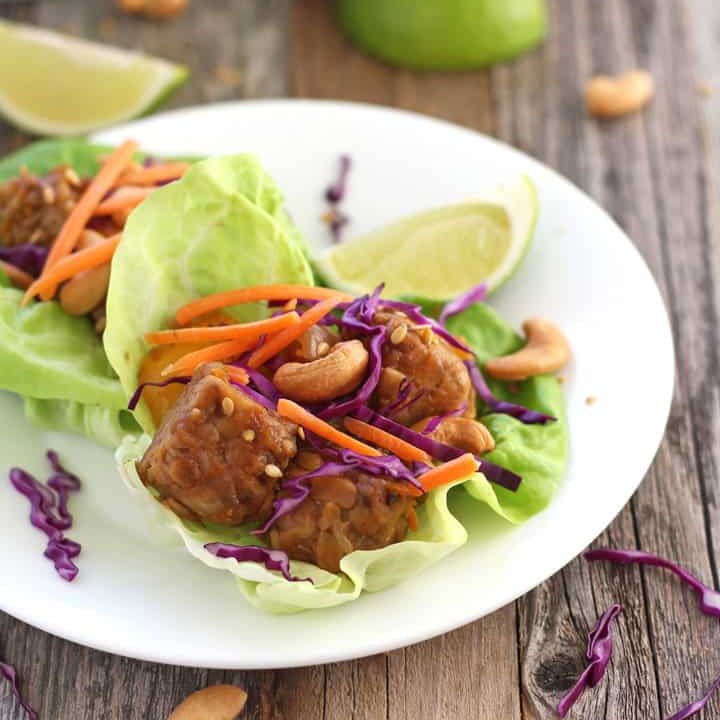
(442, 252)
(52, 84)
(443, 34)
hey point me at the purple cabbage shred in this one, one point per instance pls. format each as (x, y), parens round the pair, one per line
(435, 421)
(520, 412)
(697, 705)
(335, 193)
(598, 654)
(463, 302)
(135, 399)
(10, 674)
(27, 257)
(271, 559)
(49, 513)
(709, 598)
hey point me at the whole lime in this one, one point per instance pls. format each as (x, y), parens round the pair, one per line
(443, 34)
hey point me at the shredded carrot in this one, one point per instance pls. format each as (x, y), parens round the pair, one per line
(66, 268)
(243, 331)
(290, 304)
(123, 199)
(402, 489)
(404, 450)
(281, 340)
(220, 351)
(256, 293)
(237, 375)
(412, 519)
(76, 221)
(154, 174)
(446, 473)
(19, 278)
(292, 411)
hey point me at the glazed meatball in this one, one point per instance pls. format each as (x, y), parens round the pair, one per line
(343, 513)
(218, 455)
(437, 374)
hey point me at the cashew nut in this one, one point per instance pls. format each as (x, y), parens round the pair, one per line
(85, 291)
(338, 373)
(461, 432)
(546, 351)
(158, 9)
(217, 702)
(609, 97)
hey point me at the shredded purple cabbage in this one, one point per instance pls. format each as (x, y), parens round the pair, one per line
(463, 302)
(697, 705)
(598, 653)
(435, 421)
(438, 450)
(520, 412)
(338, 220)
(10, 674)
(50, 515)
(259, 398)
(262, 384)
(336, 192)
(709, 598)
(135, 399)
(271, 559)
(28, 257)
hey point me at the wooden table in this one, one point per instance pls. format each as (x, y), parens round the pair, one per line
(657, 174)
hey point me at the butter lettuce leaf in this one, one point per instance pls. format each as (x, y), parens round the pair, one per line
(220, 227)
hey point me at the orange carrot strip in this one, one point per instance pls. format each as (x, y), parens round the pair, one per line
(412, 519)
(292, 411)
(76, 221)
(220, 351)
(402, 489)
(19, 278)
(236, 374)
(446, 473)
(243, 331)
(281, 340)
(404, 450)
(66, 268)
(257, 293)
(124, 198)
(154, 174)
(290, 305)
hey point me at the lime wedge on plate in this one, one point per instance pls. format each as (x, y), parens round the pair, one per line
(442, 252)
(52, 84)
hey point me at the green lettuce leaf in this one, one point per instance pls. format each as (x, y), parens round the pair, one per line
(105, 426)
(371, 570)
(538, 453)
(221, 227)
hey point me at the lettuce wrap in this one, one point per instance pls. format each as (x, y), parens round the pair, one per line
(147, 301)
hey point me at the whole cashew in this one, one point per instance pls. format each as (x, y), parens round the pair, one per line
(546, 351)
(327, 378)
(461, 432)
(85, 291)
(217, 702)
(608, 97)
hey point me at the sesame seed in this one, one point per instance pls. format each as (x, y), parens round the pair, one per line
(72, 177)
(301, 432)
(273, 471)
(561, 379)
(48, 195)
(398, 334)
(323, 349)
(590, 400)
(196, 413)
(228, 406)
(248, 435)
(36, 236)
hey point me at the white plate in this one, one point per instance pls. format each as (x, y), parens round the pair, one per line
(138, 598)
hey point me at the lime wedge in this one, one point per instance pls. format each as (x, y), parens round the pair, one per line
(442, 252)
(52, 84)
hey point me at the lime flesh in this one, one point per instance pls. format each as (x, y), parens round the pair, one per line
(52, 84)
(441, 252)
(443, 34)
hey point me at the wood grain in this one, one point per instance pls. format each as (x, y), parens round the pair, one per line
(656, 173)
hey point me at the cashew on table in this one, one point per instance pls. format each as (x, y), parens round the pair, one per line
(546, 351)
(339, 372)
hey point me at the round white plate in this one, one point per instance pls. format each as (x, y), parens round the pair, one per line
(136, 597)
